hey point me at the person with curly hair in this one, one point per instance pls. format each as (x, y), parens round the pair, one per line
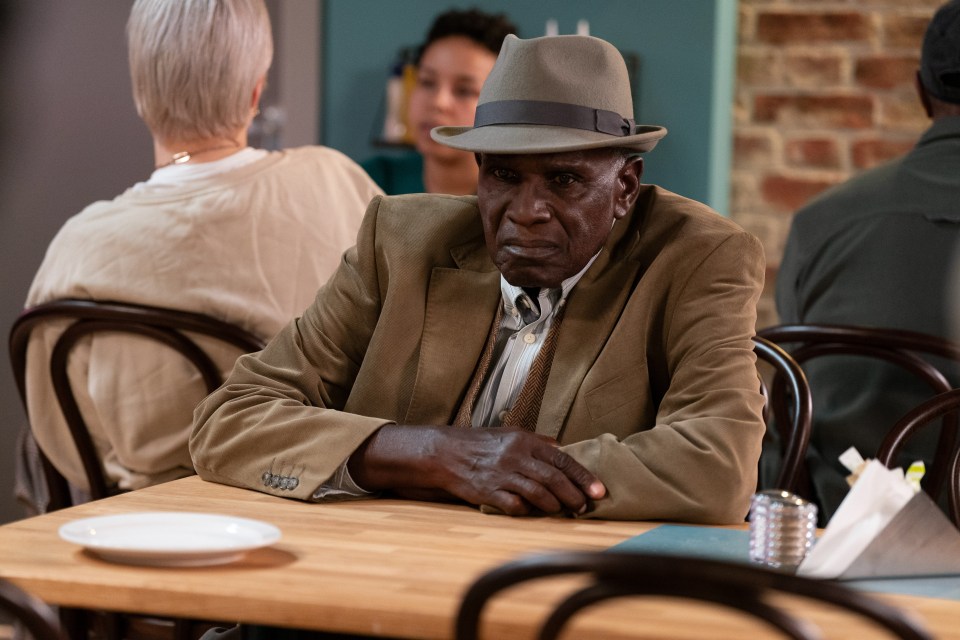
(452, 64)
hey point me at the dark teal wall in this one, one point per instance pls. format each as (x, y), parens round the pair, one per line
(681, 52)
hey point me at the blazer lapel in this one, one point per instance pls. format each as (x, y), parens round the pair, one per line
(461, 304)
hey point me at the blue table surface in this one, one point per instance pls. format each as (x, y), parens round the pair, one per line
(733, 545)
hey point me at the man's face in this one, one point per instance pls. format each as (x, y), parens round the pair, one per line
(545, 215)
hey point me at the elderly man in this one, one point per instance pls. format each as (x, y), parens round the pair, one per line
(568, 341)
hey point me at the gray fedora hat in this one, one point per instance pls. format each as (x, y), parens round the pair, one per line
(554, 94)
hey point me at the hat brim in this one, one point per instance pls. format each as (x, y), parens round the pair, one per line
(538, 138)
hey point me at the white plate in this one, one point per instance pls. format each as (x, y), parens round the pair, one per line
(170, 538)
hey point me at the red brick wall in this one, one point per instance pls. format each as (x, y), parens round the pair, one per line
(825, 89)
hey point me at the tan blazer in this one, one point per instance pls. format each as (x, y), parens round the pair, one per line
(653, 386)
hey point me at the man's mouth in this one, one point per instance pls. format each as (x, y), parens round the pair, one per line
(528, 248)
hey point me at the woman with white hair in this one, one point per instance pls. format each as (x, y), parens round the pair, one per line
(242, 234)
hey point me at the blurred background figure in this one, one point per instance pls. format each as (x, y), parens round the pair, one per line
(451, 66)
(241, 234)
(875, 251)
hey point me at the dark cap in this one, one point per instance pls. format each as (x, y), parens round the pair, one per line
(940, 58)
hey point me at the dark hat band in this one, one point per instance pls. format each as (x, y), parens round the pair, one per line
(557, 114)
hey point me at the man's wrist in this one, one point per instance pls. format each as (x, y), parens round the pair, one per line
(397, 457)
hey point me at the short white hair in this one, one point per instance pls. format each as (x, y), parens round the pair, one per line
(194, 64)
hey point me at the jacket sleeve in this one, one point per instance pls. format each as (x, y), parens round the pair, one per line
(698, 462)
(276, 424)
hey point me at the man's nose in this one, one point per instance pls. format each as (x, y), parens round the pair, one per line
(529, 205)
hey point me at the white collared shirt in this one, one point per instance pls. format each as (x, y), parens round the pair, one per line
(523, 330)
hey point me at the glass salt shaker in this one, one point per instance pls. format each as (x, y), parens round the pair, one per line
(783, 528)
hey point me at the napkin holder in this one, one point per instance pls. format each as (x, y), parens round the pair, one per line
(880, 531)
(918, 541)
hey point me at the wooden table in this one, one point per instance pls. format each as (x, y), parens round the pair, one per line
(380, 567)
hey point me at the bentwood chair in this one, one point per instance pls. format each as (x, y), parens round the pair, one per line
(788, 408)
(915, 353)
(943, 404)
(36, 617)
(173, 328)
(749, 589)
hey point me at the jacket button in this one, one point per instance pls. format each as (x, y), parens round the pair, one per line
(293, 483)
(267, 478)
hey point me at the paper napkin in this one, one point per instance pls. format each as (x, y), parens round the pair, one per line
(884, 528)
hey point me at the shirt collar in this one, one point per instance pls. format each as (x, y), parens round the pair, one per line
(178, 174)
(547, 298)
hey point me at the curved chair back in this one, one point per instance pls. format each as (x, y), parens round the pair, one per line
(167, 326)
(943, 404)
(905, 349)
(788, 406)
(35, 616)
(742, 587)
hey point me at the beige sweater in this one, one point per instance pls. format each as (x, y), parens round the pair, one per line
(250, 246)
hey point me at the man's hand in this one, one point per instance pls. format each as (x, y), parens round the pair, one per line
(513, 471)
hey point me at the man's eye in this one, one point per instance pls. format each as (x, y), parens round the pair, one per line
(564, 179)
(502, 174)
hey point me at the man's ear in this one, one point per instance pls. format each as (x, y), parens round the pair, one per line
(924, 96)
(257, 93)
(628, 181)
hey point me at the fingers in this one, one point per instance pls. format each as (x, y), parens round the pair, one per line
(508, 503)
(550, 492)
(580, 475)
(511, 503)
(546, 487)
(516, 472)
(551, 481)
